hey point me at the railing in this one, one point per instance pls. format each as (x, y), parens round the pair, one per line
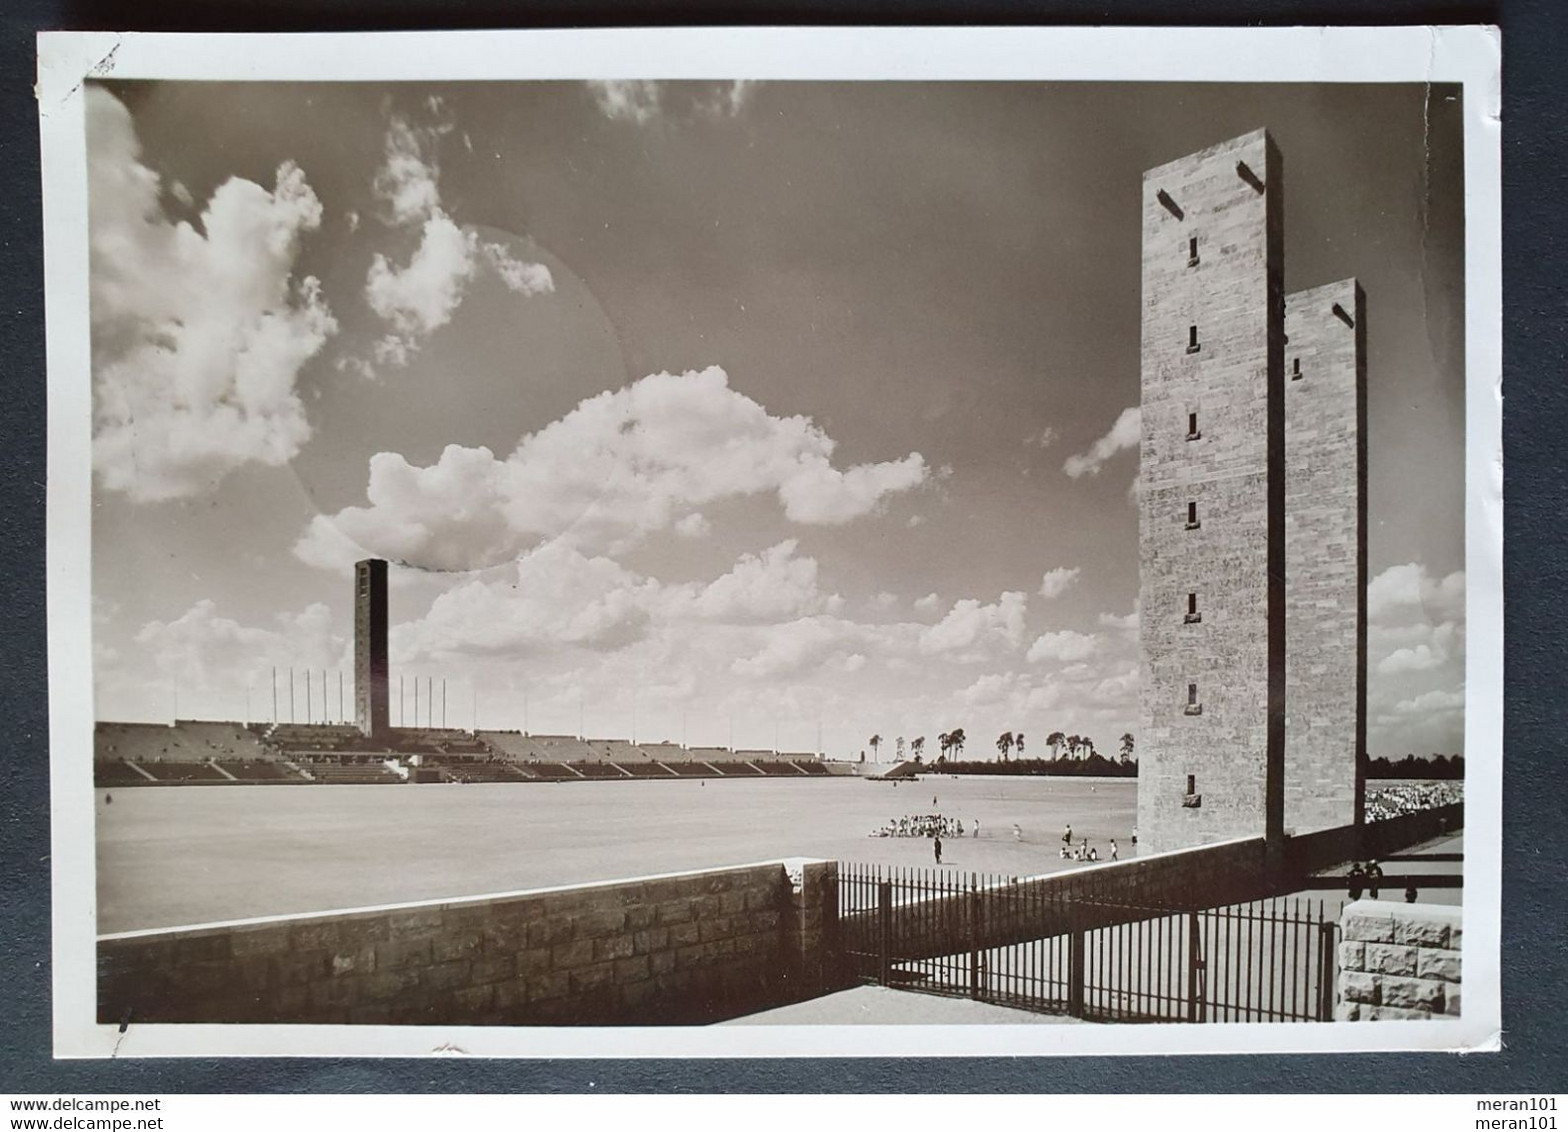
(1073, 952)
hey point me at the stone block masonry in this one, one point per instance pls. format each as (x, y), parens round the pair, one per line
(1399, 962)
(372, 700)
(1325, 556)
(1211, 498)
(679, 949)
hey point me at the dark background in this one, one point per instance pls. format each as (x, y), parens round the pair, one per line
(1535, 173)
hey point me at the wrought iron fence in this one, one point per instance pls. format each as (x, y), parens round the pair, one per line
(1050, 945)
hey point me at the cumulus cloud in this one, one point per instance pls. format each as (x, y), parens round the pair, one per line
(420, 296)
(519, 276)
(555, 596)
(695, 525)
(199, 336)
(618, 467)
(731, 98)
(202, 650)
(1124, 623)
(1124, 434)
(1410, 588)
(928, 604)
(799, 646)
(1433, 701)
(1426, 646)
(1416, 646)
(1058, 581)
(1062, 647)
(629, 100)
(406, 184)
(642, 100)
(762, 587)
(972, 630)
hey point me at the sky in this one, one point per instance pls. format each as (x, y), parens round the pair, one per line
(756, 414)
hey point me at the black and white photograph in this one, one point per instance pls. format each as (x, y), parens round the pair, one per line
(1002, 555)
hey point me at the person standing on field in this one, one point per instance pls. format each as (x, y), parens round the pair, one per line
(936, 845)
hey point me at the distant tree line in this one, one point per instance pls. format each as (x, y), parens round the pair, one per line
(1091, 766)
(1434, 766)
(1064, 748)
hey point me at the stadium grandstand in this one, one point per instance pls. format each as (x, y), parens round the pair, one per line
(216, 753)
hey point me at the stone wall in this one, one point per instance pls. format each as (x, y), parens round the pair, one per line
(1325, 555)
(677, 949)
(1398, 961)
(1211, 498)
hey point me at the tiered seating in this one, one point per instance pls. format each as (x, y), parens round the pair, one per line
(465, 744)
(551, 770)
(509, 744)
(183, 772)
(116, 772)
(311, 736)
(665, 752)
(561, 748)
(646, 770)
(268, 770)
(618, 751)
(777, 769)
(598, 770)
(474, 771)
(691, 769)
(143, 742)
(220, 740)
(201, 751)
(346, 773)
(736, 770)
(433, 739)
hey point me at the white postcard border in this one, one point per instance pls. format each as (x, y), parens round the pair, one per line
(1467, 55)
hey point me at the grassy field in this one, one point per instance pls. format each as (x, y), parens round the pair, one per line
(187, 855)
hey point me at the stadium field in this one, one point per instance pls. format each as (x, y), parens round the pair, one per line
(185, 855)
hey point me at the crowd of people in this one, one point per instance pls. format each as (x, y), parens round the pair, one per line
(924, 825)
(1408, 797)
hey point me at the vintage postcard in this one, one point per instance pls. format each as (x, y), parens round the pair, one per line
(781, 542)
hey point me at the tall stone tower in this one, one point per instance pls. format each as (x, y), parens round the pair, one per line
(1212, 498)
(370, 646)
(1325, 556)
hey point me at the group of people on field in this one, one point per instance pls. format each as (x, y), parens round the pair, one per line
(1083, 851)
(924, 825)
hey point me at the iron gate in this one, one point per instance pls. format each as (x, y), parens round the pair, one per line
(1049, 947)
